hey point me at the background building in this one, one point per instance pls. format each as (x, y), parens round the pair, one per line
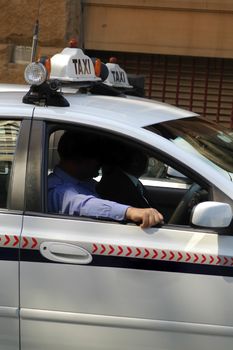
(183, 48)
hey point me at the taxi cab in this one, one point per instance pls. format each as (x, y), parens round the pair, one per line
(71, 282)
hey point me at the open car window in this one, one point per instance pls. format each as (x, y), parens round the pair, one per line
(164, 185)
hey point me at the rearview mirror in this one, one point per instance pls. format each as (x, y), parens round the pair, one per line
(212, 215)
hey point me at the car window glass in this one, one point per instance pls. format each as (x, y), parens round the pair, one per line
(9, 131)
(160, 171)
(201, 138)
(164, 186)
(155, 169)
(53, 157)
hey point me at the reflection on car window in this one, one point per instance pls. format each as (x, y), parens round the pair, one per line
(9, 131)
(201, 137)
(53, 157)
(156, 169)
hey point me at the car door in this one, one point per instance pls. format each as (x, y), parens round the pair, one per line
(14, 134)
(89, 284)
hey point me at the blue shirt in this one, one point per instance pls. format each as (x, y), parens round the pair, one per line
(67, 195)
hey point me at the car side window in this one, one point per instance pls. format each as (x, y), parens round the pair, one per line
(158, 170)
(133, 176)
(9, 131)
(53, 158)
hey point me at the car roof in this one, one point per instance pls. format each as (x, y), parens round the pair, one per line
(129, 110)
(134, 111)
(11, 101)
(13, 87)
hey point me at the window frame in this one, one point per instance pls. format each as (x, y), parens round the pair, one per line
(16, 187)
(37, 167)
(35, 189)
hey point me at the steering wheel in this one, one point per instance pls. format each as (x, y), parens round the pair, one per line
(186, 202)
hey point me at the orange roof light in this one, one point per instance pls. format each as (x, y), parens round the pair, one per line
(113, 60)
(46, 61)
(73, 43)
(97, 67)
(48, 66)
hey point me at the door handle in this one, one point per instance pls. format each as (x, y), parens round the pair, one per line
(65, 253)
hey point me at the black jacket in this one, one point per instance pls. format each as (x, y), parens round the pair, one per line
(116, 186)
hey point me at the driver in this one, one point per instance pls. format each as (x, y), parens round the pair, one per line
(71, 188)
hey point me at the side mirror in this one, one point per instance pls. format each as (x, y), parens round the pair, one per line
(212, 215)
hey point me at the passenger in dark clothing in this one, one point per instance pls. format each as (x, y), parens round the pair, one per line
(120, 181)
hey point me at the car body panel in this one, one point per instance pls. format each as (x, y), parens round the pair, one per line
(13, 155)
(9, 292)
(132, 111)
(121, 336)
(108, 285)
(146, 298)
(137, 299)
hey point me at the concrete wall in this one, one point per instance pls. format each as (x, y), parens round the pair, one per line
(58, 22)
(178, 27)
(173, 27)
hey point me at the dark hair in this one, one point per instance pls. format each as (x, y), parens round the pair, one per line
(134, 161)
(129, 158)
(75, 145)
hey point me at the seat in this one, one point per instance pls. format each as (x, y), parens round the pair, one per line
(116, 185)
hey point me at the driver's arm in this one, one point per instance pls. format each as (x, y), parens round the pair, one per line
(146, 217)
(70, 202)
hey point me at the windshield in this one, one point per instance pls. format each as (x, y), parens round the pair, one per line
(201, 137)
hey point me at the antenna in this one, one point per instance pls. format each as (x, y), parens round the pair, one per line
(35, 35)
(45, 92)
(35, 41)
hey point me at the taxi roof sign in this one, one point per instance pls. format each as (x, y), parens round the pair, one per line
(117, 77)
(72, 65)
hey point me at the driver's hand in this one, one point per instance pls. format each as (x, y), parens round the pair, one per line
(146, 217)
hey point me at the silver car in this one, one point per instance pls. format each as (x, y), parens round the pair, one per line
(84, 283)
